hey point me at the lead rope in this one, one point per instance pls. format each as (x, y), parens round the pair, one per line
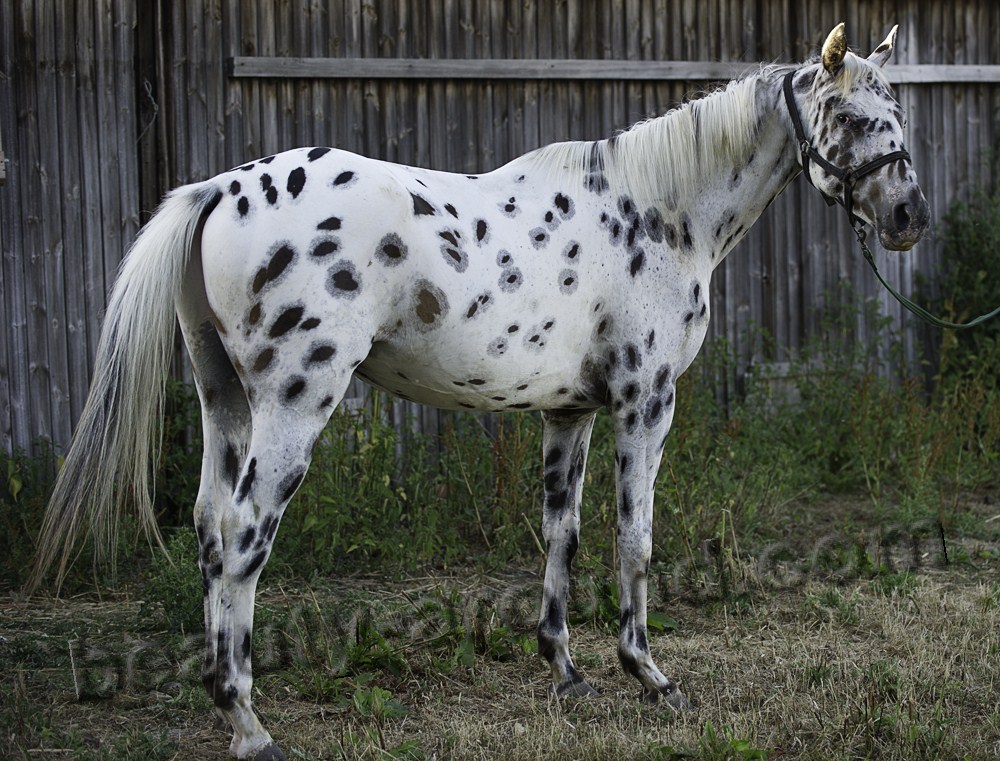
(918, 310)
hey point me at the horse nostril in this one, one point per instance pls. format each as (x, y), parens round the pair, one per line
(901, 216)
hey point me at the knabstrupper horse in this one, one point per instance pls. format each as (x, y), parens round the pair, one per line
(574, 278)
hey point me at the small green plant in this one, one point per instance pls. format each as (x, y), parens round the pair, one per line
(26, 480)
(717, 746)
(173, 583)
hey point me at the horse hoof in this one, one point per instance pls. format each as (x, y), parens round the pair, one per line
(270, 752)
(577, 689)
(671, 695)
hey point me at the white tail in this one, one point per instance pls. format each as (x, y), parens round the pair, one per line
(116, 444)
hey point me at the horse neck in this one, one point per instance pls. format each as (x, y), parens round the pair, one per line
(733, 197)
(741, 164)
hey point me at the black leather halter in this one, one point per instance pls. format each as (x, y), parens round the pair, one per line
(848, 177)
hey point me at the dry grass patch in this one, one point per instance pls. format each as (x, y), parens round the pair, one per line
(891, 668)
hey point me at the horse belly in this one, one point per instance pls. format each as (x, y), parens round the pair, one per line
(454, 373)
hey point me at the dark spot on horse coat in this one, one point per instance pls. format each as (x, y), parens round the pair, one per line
(243, 206)
(245, 648)
(497, 347)
(247, 538)
(255, 562)
(263, 360)
(310, 324)
(234, 187)
(510, 279)
(615, 232)
(635, 266)
(391, 250)
(565, 205)
(553, 457)
(670, 235)
(253, 317)
(343, 178)
(633, 359)
(421, 207)
(320, 353)
(572, 251)
(482, 302)
(344, 281)
(653, 412)
(325, 247)
(568, 281)
(482, 230)
(430, 304)
(247, 483)
(686, 232)
(509, 208)
(625, 207)
(288, 485)
(456, 258)
(270, 191)
(539, 238)
(316, 153)
(296, 181)
(287, 320)
(330, 223)
(231, 465)
(653, 224)
(275, 267)
(662, 377)
(293, 389)
(451, 210)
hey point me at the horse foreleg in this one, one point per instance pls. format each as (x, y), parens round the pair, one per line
(639, 450)
(565, 441)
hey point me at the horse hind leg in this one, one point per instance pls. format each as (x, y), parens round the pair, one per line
(565, 441)
(287, 420)
(226, 423)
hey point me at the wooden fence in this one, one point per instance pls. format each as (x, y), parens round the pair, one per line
(106, 104)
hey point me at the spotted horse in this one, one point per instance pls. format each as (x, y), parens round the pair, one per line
(574, 278)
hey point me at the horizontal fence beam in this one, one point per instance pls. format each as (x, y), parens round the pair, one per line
(556, 69)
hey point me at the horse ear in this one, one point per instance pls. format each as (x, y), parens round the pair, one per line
(883, 52)
(834, 49)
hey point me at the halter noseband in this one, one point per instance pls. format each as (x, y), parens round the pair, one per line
(849, 177)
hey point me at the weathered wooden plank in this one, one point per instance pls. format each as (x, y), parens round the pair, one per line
(80, 248)
(453, 68)
(11, 295)
(566, 68)
(44, 267)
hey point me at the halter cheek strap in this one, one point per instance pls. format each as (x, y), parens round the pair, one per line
(848, 177)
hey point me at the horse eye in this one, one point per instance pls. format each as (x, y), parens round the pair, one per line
(843, 120)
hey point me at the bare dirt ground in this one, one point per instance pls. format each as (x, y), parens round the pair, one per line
(805, 656)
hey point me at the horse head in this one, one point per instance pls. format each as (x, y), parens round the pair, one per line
(849, 127)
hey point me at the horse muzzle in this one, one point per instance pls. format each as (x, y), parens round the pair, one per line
(902, 227)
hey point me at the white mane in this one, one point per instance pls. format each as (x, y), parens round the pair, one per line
(659, 161)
